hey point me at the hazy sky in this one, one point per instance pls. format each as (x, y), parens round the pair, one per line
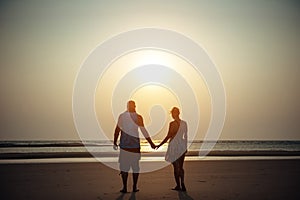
(255, 45)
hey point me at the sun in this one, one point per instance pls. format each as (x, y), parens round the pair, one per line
(154, 101)
(143, 70)
(159, 57)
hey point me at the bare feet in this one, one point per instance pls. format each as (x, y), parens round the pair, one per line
(176, 188)
(135, 190)
(123, 190)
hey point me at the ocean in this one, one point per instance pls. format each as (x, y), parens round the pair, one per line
(61, 149)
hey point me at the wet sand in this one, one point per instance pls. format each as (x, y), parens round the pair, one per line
(223, 179)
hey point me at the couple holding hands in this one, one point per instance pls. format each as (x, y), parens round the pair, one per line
(128, 124)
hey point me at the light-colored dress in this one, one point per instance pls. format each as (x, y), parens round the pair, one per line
(178, 145)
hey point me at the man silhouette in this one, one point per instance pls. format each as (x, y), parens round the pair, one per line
(128, 124)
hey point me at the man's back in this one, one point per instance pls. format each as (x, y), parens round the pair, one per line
(129, 130)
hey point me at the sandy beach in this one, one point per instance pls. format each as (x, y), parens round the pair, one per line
(224, 179)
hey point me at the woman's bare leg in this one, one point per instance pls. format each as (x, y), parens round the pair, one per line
(181, 172)
(176, 175)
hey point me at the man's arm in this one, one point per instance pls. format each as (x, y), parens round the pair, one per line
(116, 135)
(145, 132)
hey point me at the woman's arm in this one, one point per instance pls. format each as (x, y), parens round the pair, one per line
(169, 135)
(164, 141)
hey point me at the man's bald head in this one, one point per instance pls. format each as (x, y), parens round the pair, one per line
(131, 106)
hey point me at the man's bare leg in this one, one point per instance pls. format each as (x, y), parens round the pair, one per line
(135, 177)
(124, 180)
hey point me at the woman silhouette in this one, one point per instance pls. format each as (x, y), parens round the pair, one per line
(177, 147)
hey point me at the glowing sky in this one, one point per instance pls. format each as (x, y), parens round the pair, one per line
(255, 45)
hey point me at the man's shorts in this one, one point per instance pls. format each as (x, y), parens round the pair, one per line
(129, 160)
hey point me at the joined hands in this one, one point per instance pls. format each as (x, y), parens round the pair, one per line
(153, 146)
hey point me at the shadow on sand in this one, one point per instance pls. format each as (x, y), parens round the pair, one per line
(132, 196)
(184, 196)
(181, 196)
